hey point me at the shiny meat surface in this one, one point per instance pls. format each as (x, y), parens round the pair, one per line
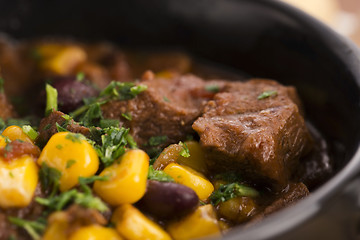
(263, 138)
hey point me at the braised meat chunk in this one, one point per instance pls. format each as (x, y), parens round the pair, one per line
(168, 108)
(255, 127)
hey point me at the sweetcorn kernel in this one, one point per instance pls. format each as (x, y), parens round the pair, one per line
(16, 133)
(18, 181)
(201, 223)
(72, 155)
(95, 232)
(127, 183)
(132, 224)
(190, 178)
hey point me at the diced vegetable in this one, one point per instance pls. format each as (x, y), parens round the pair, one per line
(16, 133)
(95, 232)
(237, 209)
(191, 178)
(127, 179)
(60, 59)
(201, 223)
(132, 224)
(196, 160)
(18, 180)
(75, 150)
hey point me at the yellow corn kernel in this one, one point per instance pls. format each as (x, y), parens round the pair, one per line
(190, 178)
(2, 141)
(196, 160)
(132, 224)
(95, 232)
(127, 183)
(60, 59)
(72, 155)
(57, 227)
(18, 180)
(199, 224)
(15, 132)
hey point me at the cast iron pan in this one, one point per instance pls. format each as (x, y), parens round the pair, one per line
(263, 38)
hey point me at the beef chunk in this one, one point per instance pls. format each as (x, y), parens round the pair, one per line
(6, 109)
(262, 138)
(48, 127)
(291, 194)
(167, 108)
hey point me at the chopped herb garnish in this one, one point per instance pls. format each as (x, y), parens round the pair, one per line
(138, 89)
(59, 146)
(160, 176)
(113, 142)
(80, 76)
(212, 88)
(166, 99)
(28, 130)
(90, 114)
(127, 116)
(232, 190)
(75, 137)
(60, 128)
(59, 202)
(85, 199)
(11, 174)
(131, 141)
(106, 123)
(47, 127)
(49, 178)
(2, 125)
(157, 140)
(267, 94)
(70, 162)
(17, 122)
(51, 99)
(33, 228)
(1, 85)
(184, 150)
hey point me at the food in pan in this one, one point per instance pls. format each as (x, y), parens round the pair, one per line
(99, 143)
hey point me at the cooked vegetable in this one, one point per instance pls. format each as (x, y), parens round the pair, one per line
(159, 175)
(127, 179)
(132, 224)
(232, 190)
(33, 228)
(190, 178)
(51, 99)
(74, 147)
(71, 92)
(267, 94)
(237, 209)
(196, 160)
(60, 58)
(167, 200)
(95, 232)
(201, 223)
(19, 178)
(16, 133)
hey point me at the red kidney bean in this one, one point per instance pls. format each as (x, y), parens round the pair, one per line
(168, 200)
(72, 92)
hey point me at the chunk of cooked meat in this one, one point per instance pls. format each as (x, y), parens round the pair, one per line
(6, 109)
(293, 193)
(167, 108)
(48, 127)
(261, 137)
